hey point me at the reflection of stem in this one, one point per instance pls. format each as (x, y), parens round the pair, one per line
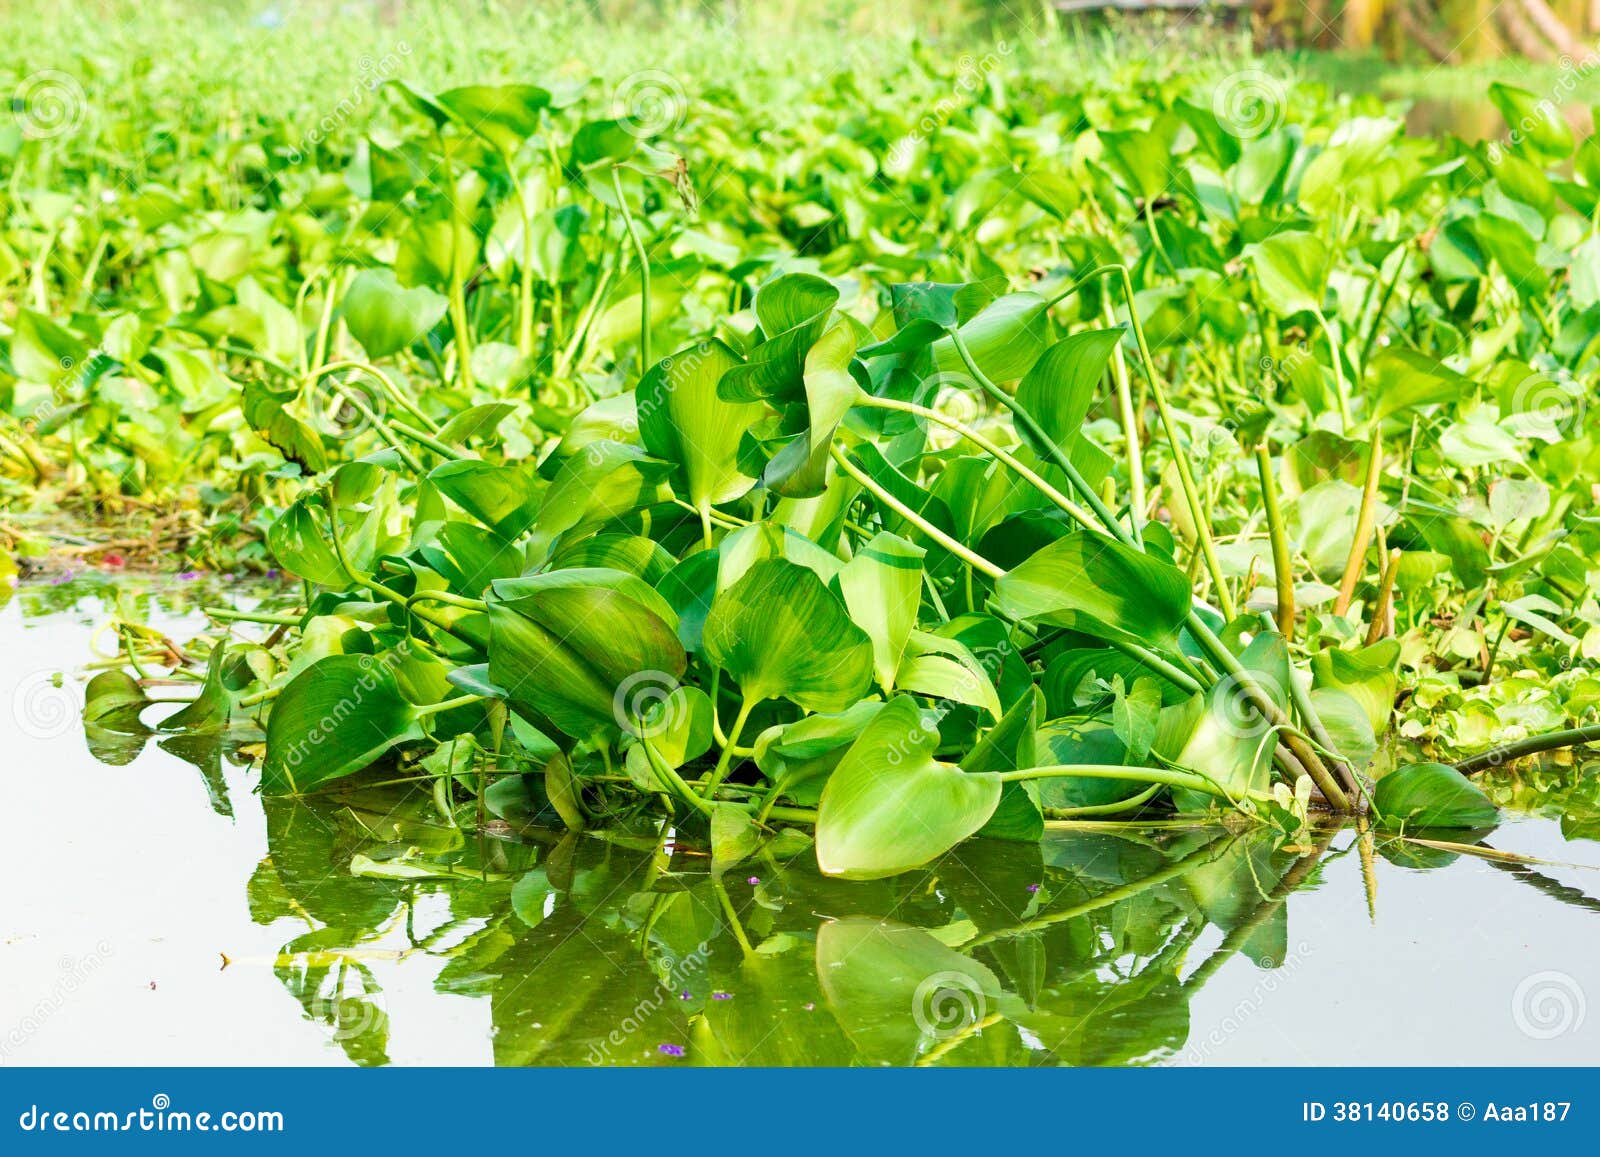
(950, 1043)
(1290, 881)
(1369, 874)
(1204, 854)
(1555, 889)
(733, 917)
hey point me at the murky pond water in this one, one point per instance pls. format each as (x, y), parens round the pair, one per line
(157, 911)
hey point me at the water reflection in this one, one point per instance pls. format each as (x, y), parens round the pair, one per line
(1080, 950)
(382, 931)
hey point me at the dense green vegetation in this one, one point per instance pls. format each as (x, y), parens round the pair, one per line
(974, 435)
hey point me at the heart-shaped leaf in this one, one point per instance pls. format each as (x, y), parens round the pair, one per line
(890, 806)
(782, 634)
(384, 316)
(1432, 795)
(333, 719)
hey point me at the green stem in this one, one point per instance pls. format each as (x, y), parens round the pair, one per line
(458, 293)
(644, 271)
(390, 438)
(1533, 745)
(445, 451)
(1341, 390)
(1160, 776)
(384, 380)
(1365, 520)
(1104, 809)
(725, 760)
(1282, 566)
(1130, 430)
(447, 705)
(450, 599)
(228, 616)
(967, 556)
(984, 444)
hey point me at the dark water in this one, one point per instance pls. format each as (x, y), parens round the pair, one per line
(159, 912)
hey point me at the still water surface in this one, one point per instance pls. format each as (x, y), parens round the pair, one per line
(157, 911)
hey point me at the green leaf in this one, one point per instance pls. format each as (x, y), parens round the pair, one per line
(1004, 340)
(503, 114)
(1432, 795)
(385, 317)
(333, 719)
(576, 646)
(1089, 583)
(298, 539)
(1402, 379)
(781, 633)
(209, 710)
(890, 806)
(896, 990)
(882, 587)
(1292, 269)
(1538, 122)
(682, 420)
(1060, 387)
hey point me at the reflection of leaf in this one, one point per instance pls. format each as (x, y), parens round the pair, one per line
(205, 753)
(896, 990)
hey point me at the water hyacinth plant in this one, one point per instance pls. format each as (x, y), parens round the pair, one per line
(1082, 454)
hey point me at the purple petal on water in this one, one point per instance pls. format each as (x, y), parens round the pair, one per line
(753, 881)
(1033, 887)
(722, 996)
(671, 1050)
